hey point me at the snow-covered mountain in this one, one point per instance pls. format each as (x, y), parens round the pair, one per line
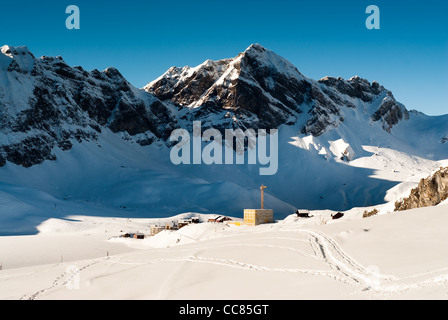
(259, 89)
(44, 103)
(89, 140)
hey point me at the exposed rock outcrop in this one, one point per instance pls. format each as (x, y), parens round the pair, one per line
(429, 192)
(390, 112)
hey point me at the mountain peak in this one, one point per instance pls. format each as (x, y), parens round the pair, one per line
(257, 47)
(112, 72)
(258, 88)
(257, 56)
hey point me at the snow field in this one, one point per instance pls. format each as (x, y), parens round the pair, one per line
(392, 256)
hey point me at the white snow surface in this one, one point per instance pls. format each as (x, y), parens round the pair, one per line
(394, 256)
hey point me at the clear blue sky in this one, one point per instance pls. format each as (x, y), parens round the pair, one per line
(408, 55)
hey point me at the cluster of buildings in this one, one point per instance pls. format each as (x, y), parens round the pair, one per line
(173, 225)
(252, 217)
(136, 235)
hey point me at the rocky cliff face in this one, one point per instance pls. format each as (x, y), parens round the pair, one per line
(44, 103)
(390, 112)
(257, 89)
(429, 192)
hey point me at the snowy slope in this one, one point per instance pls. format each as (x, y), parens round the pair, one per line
(118, 179)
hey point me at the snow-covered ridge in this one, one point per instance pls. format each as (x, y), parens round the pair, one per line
(259, 89)
(44, 103)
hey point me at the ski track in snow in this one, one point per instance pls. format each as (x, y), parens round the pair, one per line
(343, 267)
(369, 278)
(349, 269)
(59, 281)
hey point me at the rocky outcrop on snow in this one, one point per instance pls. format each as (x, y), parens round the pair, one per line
(44, 103)
(429, 192)
(356, 87)
(390, 112)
